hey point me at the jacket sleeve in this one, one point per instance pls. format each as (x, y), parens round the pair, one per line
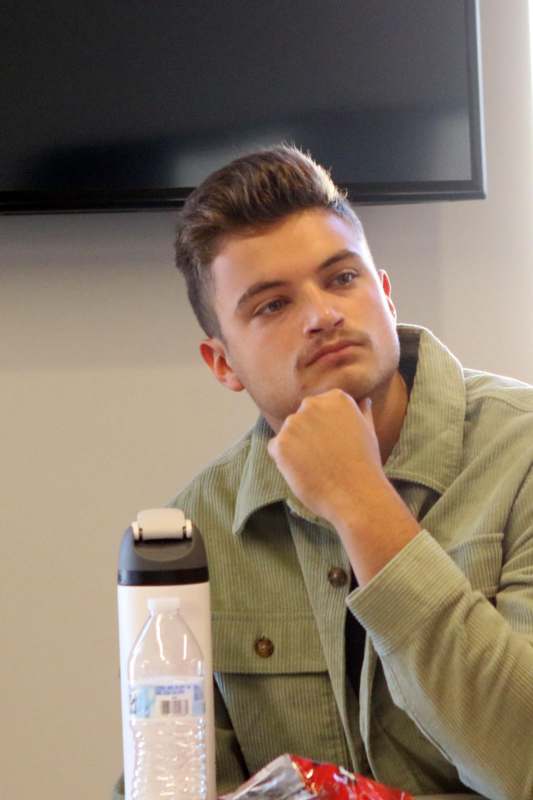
(457, 653)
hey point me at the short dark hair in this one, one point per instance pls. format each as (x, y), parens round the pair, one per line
(251, 193)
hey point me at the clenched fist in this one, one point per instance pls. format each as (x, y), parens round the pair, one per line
(329, 454)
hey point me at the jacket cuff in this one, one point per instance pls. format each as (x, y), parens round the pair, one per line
(397, 601)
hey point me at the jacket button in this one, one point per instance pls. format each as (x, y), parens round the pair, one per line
(264, 647)
(337, 576)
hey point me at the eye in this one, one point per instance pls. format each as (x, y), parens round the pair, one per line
(272, 307)
(346, 277)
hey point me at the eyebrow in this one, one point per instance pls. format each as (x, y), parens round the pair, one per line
(262, 286)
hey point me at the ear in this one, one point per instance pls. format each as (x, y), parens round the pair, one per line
(213, 352)
(387, 290)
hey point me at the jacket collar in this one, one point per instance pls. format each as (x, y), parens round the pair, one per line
(429, 450)
(261, 482)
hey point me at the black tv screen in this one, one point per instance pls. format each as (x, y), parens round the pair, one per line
(129, 105)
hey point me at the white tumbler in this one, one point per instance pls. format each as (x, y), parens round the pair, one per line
(162, 554)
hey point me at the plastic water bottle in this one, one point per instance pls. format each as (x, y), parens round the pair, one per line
(167, 708)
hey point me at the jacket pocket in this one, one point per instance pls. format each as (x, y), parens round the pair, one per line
(295, 645)
(480, 559)
(273, 677)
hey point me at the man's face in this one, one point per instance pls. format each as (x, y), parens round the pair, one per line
(282, 296)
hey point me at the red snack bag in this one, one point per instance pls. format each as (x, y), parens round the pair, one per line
(328, 782)
(291, 777)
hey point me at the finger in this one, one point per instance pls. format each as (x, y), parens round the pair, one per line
(366, 409)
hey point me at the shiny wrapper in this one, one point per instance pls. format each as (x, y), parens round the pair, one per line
(291, 777)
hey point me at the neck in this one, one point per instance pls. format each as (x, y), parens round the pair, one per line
(389, 409)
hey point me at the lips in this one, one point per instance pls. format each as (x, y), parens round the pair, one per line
(331, 348)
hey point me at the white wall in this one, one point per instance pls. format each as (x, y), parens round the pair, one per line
(105, 408)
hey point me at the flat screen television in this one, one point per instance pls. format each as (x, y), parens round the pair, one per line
(129, 105)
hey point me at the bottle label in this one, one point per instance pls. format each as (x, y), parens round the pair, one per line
(181, 698)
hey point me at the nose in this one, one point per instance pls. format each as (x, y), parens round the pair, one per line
(320, 312)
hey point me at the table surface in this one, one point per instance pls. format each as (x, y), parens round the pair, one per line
(449, 797)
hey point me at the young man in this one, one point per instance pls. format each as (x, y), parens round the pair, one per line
(370, 541)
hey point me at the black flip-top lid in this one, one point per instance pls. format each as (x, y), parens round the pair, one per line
(162, 562)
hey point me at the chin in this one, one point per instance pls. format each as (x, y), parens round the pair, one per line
(358, 390)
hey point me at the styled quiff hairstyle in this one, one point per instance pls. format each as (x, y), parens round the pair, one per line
(250, 194)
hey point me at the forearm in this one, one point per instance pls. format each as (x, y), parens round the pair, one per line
(374, 535)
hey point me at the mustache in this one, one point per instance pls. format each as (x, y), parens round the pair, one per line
(314, 349)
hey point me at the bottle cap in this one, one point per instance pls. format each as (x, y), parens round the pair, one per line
(158, 605)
